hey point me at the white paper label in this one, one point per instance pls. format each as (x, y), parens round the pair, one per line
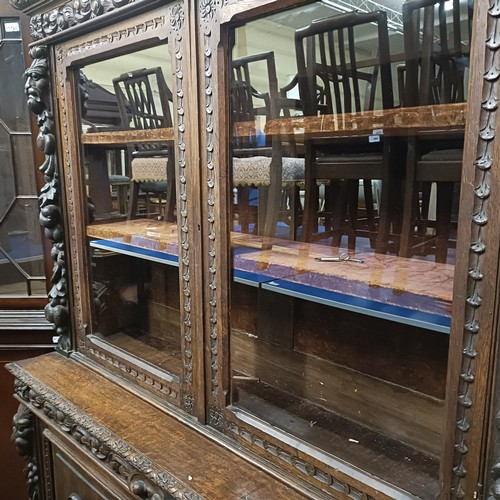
(11, 27)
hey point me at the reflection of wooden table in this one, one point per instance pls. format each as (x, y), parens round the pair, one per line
(396, 121)
(96, 145)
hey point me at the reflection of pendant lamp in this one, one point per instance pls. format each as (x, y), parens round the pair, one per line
(394, 18)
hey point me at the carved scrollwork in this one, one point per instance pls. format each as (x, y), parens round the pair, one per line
(23, 438)
(216, 419)
(38, 98)
(143, 488)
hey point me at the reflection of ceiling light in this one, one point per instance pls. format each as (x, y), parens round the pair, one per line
(394, 18)
(448, 5)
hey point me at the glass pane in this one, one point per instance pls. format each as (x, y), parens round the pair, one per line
(347, 141)
(21, 252)
(13, 109)
(127, 138)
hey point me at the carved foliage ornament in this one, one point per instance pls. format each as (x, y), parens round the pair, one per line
(67, 15)
(177, 17)
(38, 98)
(142, 476)
(207, 9)
(23, 438)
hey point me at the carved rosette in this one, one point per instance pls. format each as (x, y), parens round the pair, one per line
(23, 438)
(37, 90)
(483, 164)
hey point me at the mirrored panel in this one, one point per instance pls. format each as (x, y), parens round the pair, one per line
(129, 173)
(346, 159)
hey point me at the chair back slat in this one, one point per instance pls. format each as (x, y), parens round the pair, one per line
(333, 76)
(436, 52)
(139, 107)
(243, 93)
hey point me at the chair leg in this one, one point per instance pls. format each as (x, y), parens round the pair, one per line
(170, 202)
(408, 201)
(272, 210)
(309, 226)
(243, 208)
(443, 219)
(122, 191)
(134, 195)
(352, 208)
(370, 211)
(340, 204)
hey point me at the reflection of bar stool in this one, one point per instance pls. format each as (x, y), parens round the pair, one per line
(149, 175)
(120, 183)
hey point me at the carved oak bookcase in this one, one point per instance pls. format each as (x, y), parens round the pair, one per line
(222, 346)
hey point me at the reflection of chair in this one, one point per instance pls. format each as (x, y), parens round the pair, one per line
(258, 160)
(436, 60)
(152, 164)
(337, 78)
(99, 111)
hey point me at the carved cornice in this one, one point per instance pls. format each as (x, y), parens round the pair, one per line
(37, 90)
(23, 437)
(143, 477)
(66, 16)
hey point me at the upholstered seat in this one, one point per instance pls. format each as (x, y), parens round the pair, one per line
(258, 160)
(149, 169)
(256, 171)
(152, 163)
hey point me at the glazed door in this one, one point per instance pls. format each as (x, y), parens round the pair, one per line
(347, 181)
(123, 120)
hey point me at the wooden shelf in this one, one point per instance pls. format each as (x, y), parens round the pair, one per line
(410, 291)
